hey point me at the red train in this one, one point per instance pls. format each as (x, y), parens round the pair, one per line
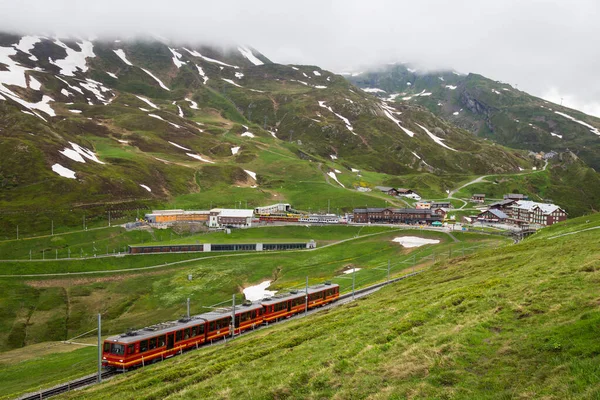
(167, 339)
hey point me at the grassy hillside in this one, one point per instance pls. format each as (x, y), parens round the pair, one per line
(174, 125)
(522, 322)
(490, 109)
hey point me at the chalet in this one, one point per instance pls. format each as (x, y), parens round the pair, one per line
(515, 196)
(404, 192)
(388, 190)
(538, 213)
(492, 215)
(226, 217)
(441, 211)
(478, 198)
(504, 205)
(441, 204)
(394, 216)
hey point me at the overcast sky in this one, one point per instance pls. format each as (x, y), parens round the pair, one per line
(548, 48)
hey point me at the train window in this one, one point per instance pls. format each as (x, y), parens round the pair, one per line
(193, 331)
(118, 349)
(143, 346)
(152, 343)
(131, 349)
(253, 314)
(178, 336)
(200, 329)
(186, 333)
(212, 326)
(106, 347)
(237, 320)
(224, 323)
(161, 341)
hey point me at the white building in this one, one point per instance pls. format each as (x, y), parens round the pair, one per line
(273, 209)
(223, 217)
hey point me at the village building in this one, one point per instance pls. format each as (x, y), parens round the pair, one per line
(173, 216)
(504, 205)
(423, 205)
(441, 204)
(388, 190)
(515, 196)
(537, 213)
(478, 198)
(395, 216)
(227, 217)
(273, 209)
(493, 215)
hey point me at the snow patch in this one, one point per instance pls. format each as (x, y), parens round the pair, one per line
(373, 90)
(258, 292)
(414, 241)
(122, 56)
(202, 74)
(162, 85)
(346, 121)
(193, 104)
(62, 171)
(231, 82)
(75, 59)
(333, 176)
(211, 60)
(176, 58)
(333, 156)
(252, 174)
(179, 146)
(351, 270)
(451, 87)
(234, 150)
(317, 73)
(239, 75)
(113, 75)
(34, 83)
(590, 127)
(145, 100)
(75, 111)
(162, 119)
(246, 52)
(199, 157)
(248, 134)
(146, 187)
(435, 138)
(180, 112)
(557, 135)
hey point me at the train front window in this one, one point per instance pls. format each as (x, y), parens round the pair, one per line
(117, 349)
(106, 347)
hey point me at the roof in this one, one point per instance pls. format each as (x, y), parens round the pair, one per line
(233, 212)
(278, 298)
(178, 212)
(165, 327)
(531, 205)
(384, 188)
(479, 195)
(403, 190)
(502, 203)
(368, 210)
(497, 213)
(514, 196)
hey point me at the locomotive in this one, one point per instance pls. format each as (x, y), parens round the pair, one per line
(164, 340)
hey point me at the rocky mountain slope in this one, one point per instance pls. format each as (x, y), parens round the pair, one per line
(488, 108)
(86, 123)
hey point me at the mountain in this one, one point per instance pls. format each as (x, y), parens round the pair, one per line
(90, 126)
(489, 109)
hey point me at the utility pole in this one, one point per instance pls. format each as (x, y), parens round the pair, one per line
(328, 205)
(388, 270)
(306, 298)
(52, 229)
(29, 254)
(353, 279)
(233, 317)
(188, 307)
(109, 218)
(83, 221)
(17, 232)
(99, 348)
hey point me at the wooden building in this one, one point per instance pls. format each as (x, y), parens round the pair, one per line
(395, 216)
(492, 215)
(478, 198)
(388, 190)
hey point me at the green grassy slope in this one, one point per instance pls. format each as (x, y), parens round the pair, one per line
(523, 322)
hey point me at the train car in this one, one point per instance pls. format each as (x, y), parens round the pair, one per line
(164, 340)
(287, 304)
(160, 341)
(283, 305)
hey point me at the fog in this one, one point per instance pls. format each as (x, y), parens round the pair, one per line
(545, 47)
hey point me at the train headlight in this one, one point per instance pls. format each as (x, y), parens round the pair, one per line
(120, 360)
(104, 358)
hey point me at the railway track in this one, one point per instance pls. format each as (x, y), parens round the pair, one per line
(91, 379)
